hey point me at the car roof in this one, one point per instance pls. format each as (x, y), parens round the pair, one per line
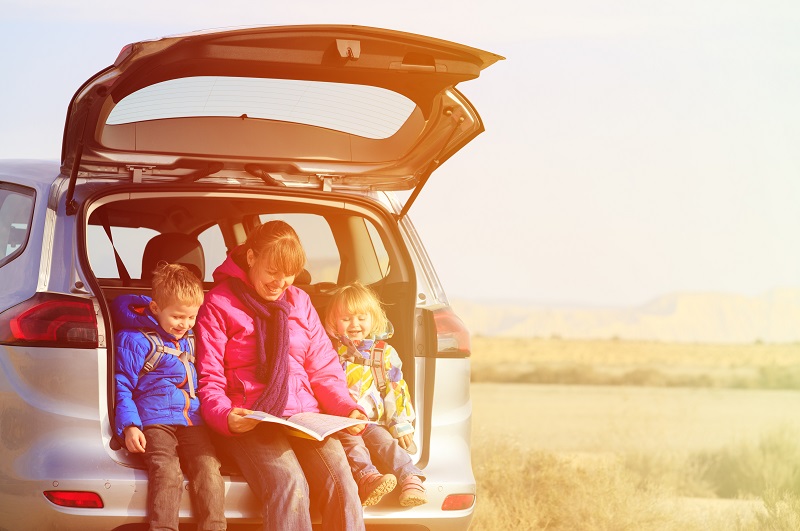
(33, 172)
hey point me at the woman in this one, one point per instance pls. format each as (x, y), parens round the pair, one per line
(261, 346)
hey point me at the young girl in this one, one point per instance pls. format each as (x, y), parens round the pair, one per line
(358, 326)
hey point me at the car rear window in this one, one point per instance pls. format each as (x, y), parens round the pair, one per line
(370, 112)
(16, 212)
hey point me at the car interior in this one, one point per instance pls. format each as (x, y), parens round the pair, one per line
(126, 238)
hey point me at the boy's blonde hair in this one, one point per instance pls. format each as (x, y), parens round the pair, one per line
(174, 283)
(357, 298)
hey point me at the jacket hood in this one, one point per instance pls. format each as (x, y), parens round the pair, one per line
(364, 346)
(233, 267)
(133, 311)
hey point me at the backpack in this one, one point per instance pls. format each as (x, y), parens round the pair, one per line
(378, 366)
(158, 349)
(375, 362)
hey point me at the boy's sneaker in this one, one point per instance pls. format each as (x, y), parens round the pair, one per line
(412, 493)
(373, 487)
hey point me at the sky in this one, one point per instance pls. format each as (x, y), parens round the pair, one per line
(633, 148)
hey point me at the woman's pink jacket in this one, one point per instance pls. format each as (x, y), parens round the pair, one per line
(226, 356)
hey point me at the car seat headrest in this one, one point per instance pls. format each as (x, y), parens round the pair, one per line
(174, 248)
(303, 277)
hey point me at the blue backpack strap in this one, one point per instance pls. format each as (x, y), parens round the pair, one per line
(190, 341)
(156, 351)
(187, 357)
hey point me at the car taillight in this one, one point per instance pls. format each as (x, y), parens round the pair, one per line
(50, 320)
(458, 502)
(451, 334)
(75, 498)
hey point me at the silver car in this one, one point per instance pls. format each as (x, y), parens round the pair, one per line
(175, 152)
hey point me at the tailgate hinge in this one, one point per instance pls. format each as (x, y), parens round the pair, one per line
(138, 171)
(326, 181)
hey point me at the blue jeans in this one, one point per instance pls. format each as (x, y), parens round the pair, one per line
(376, 445)
(166, 447)
(283, 471)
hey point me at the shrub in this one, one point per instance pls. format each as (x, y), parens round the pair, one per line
(782, 513)
(748, 470)
(540, 490)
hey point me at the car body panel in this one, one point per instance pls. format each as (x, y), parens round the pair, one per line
(16, 273)
(57, 423)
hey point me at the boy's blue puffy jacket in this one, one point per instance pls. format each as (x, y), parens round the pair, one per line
(162, 395)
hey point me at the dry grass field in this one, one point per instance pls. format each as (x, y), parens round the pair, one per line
(615, 435)
(760, 366)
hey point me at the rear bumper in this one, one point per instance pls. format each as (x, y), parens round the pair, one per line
(54, 435)
(23, 506)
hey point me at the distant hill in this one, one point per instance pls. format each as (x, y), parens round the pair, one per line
(773, 317)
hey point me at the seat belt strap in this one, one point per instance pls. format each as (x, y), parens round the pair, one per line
(121, 269)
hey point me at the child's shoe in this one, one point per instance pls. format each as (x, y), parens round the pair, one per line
(412, 493)
(373, 487)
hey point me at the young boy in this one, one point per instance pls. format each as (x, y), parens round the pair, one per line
(357, 323)
(157, 410)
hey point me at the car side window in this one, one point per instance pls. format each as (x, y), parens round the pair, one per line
(16, 214)
(381, 254)
(322, 255)
(213, 249)
(129, 243)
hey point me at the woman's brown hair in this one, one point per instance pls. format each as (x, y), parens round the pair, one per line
(278, 242)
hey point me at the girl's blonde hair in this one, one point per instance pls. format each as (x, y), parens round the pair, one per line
(174, 283)
(356, 298)
(278, 241)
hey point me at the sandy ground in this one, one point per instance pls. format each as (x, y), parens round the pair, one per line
(615, 418)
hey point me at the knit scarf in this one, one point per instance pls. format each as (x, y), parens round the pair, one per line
(272, 343)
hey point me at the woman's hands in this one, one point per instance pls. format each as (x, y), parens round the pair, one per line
(237, 422)
(358, 428)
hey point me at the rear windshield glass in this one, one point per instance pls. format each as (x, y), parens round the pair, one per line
(366, 111)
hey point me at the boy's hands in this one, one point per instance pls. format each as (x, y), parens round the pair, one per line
(134, 440)
(358, 428)
(237, 423)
